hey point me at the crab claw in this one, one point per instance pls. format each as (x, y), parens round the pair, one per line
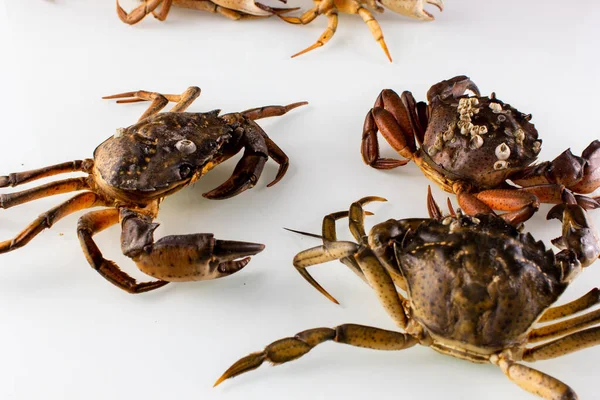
(591, 171)
(413, 8)
(454, 87)
(578, 234)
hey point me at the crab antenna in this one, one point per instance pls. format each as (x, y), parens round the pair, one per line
(304, 233)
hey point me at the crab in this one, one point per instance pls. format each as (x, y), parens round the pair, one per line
(472, 145)
(330, 8)
(472, 287)
(136, 168)
(232, 9)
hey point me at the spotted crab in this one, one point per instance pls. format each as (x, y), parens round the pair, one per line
(473, 145)
(134, 170)
(472, 287)
(331, 8)
(232, 9)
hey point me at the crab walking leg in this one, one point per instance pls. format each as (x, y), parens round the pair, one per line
(396, 123)
(560, 347)
(357, 218)
(383, 285)
(291, 348)
(93, 223)
(164, 10)
(521, 205)
(332, 23)
(537, 382)
(589, 300)
(249, 168)
(20, 178)
(279, 157)
(49, 189)
(322, 254)
(138, 13)
(271, 111)
(159, 101)
(329, 236)
(374, 28)
(181, 257)
(49, 218)
(565, 327)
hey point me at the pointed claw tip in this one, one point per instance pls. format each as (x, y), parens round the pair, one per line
(369, 213)
(220, 380)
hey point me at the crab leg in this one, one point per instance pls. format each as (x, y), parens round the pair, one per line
(93, 223)
(565, 345)
(49, 189)
(20, 178)
(521, 204)
(374, 27)
(589, 300)
(49, 218)
(159, 101)
(291, 348)
(578, 174)
(271, 111)
(332, 23)
(249, 168)
(537, 382)
(565, 327)
(395, 118)
(138, 13)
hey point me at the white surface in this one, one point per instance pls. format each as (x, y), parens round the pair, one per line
(65, 333)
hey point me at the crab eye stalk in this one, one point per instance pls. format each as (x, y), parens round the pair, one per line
(185, 171)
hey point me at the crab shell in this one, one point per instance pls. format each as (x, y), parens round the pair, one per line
(479, 140)
(476, 284)
(160, 154)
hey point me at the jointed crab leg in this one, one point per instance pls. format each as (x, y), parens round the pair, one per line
(159, 101)
(588, 300)
(49, 218)
(271, 111)
(93, 223)
(330, 9)
(20, 178)
(564, 327)
(138, 13)
(536, 382)
(49, 189)
(565, 345)
(291, 348)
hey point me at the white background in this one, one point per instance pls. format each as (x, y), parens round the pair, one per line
(65, 333)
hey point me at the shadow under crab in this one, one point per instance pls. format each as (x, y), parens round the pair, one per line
(472, 287)
(134, 170)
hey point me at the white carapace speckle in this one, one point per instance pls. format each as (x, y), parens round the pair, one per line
(537, 146)
(498, 165)
(520, 136)
(119, 132)
(502, 152)
(447, 220)
(501, 118)
(496, 107)
(186, 146)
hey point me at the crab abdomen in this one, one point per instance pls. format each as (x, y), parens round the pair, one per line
(482, 284)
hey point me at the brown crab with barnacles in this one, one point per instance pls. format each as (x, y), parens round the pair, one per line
(472, 287)
(473, 145)
(134, 170)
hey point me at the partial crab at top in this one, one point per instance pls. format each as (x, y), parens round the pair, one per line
(232, 9)
(479, 148)
(330, 8)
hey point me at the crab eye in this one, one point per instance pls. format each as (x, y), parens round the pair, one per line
(185, 170)
(186, 146)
